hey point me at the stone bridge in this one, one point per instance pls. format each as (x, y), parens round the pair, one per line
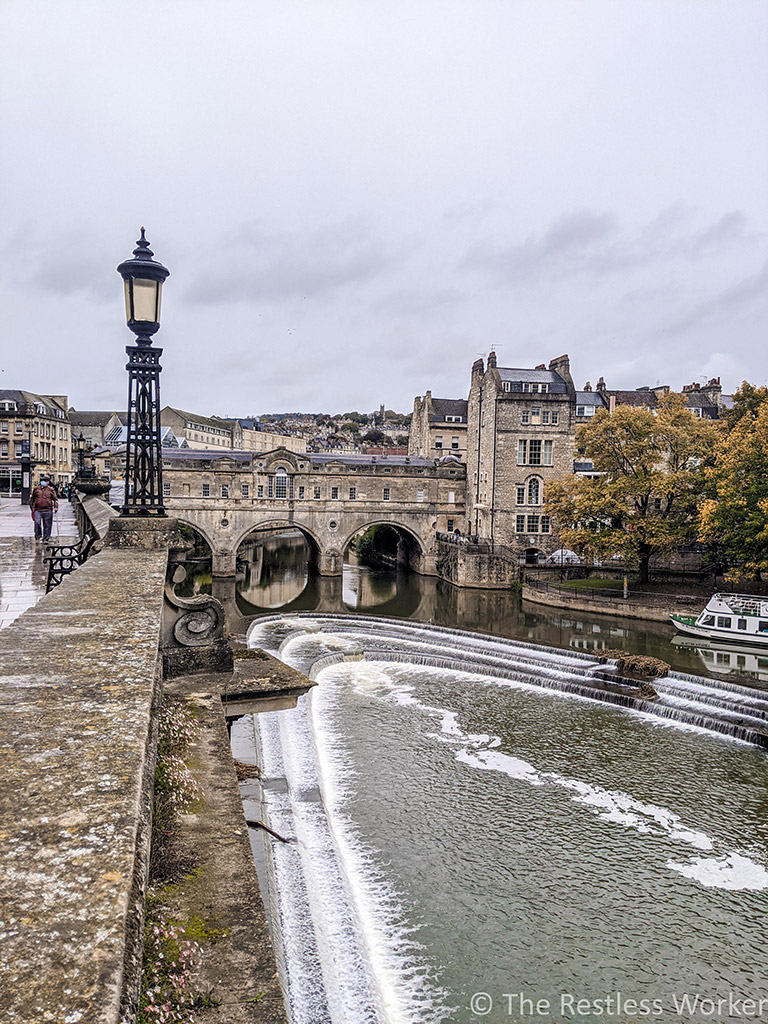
(329, 498)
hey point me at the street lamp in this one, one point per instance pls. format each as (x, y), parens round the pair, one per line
(78, 448)
(143, 280)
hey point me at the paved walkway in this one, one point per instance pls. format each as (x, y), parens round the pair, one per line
(22, 570)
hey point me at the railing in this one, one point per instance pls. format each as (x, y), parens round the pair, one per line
(609, 593)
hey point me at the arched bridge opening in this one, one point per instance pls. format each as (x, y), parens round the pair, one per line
(275, 564)
(378, 561)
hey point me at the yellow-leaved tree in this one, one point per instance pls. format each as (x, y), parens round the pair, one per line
(643, 500)
(734, 517)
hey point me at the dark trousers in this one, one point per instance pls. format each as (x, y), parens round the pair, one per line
(43, 524)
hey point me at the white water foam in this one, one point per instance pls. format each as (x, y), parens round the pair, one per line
(347, 979)
(731, 871)
(406, 992)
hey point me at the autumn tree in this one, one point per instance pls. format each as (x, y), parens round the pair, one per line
(734, 516)
(649, 475)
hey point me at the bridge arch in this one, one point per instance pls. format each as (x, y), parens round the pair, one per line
(193, 524)
(411, 550)
(277, 522)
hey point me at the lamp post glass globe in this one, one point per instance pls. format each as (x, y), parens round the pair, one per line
(143, 283)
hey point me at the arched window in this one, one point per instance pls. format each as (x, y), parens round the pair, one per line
(281, 484)
(534, 491)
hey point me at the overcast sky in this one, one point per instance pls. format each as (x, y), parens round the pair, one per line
(356, 198)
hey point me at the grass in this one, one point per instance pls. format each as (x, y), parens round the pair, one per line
(594, 583)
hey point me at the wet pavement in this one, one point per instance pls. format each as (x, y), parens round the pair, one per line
(22, 570)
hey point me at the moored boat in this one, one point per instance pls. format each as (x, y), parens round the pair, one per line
(740, 618)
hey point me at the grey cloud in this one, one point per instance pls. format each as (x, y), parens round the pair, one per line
(591, 242)
(408, 303)
(65, 263)
(728, 302)
(564, 246)
(256, 264)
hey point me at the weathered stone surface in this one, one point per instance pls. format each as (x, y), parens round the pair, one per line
(78, 683)
(152, 532)
(238, 970)
(98, 513)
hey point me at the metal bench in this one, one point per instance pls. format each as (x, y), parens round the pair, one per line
(63, 559)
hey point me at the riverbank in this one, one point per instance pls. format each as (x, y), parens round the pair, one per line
(645, 604)
(217, 896)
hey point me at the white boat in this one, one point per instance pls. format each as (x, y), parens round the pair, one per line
(739, 618)
(728, 660)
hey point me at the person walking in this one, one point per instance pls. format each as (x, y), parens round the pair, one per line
(43, 503)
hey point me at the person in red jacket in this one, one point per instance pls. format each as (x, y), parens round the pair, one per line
(44, 503)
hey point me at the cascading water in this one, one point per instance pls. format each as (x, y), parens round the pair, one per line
(468, 819)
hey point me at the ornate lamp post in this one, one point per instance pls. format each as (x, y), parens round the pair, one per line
(143, 278)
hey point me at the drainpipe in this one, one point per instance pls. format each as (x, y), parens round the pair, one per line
(477, 482)
(493, 471)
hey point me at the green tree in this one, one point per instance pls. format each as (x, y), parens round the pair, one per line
(747, 402)
(734, 516)
(644, 502)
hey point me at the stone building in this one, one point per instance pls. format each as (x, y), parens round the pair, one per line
(248, 435)
(329, 497)
(214, 433)
(438, 427)
(37, 424)
(517, 431)
(95, 426)
(520, 435)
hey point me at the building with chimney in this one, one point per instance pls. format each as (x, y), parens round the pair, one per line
(438, 427)
(520, 435)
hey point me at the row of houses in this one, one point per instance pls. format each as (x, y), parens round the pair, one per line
(36, 427)
(517, 430)
(47, 431)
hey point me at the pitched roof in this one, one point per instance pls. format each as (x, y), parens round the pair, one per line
(30, 398)
(195, 417)
(641, 398)
(379, 460)
(91, 419)
(590, 398)
(449, 407)
(514, 375)
(201, 455)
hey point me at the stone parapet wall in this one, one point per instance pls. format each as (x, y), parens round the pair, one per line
(79, 682)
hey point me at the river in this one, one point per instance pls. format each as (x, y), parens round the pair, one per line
(274, 573)
(471, 847)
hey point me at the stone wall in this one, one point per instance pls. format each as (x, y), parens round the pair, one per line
(79, 683)
(464, 566)
(499, 420)
(637, 606)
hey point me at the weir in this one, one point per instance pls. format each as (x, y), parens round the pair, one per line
(412, 816)
(725, 708)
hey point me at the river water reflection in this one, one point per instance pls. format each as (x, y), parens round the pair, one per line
(274, 573)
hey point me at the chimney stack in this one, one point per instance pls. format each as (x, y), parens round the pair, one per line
(562, 365)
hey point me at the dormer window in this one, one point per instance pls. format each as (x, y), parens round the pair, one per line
(507, 385)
